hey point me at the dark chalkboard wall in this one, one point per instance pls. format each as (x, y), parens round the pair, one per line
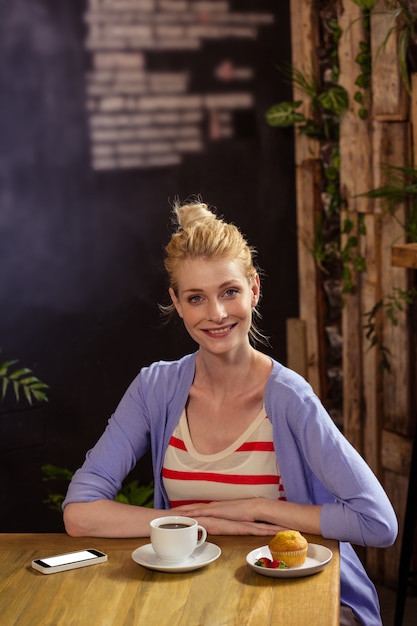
(81, 251)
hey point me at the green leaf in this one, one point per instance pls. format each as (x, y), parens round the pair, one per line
(311, 129)
(16, 390)
(38, 385)
(307, 85)
(403, 44)
(336, 158)
(362, 224)
(362, 81)
(24, 380)
(28, 395)
(284, 114)
(363, 58)
(120, 497)
(40, 396)
(360, 264)
(18, 373)
(53, 472)
(331, 189)
(334, 99)
(365, 4)
(347, 226)
(54, 502)
(28, 381)
(335, 74)
(5, 366)
(4, 386)
(138, 495)
(331, 173)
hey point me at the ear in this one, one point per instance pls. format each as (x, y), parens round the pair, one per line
(175, 301)
(255, 289)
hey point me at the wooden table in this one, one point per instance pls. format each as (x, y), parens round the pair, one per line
(120, 592)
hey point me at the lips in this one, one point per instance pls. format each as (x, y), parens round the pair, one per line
(218, 332)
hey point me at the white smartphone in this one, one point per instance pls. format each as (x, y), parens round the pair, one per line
(70, 560)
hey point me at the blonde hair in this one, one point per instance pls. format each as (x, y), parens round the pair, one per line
(200, 233)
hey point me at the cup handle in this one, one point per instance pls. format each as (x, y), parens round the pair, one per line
(203, 535)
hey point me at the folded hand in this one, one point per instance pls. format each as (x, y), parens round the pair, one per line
(229, 517)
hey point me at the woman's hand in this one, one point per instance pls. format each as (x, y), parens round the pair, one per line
(237, 510)
(218, 526)
(257, 515)
(229, 517)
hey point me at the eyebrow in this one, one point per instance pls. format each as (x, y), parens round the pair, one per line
(227, 283)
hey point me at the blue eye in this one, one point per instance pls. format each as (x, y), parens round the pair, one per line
(231, 292)
(194, 299)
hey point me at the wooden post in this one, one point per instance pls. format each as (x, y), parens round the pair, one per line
(378, 419)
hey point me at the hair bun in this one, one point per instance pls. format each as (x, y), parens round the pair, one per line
(190, 214)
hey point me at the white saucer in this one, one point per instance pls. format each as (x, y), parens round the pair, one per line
(203, 555)
(317, 558)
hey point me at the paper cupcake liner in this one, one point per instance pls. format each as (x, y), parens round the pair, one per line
(292, 558)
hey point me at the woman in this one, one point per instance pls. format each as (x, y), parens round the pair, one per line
(237, 440)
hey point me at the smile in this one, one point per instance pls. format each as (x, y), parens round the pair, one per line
(218, 331)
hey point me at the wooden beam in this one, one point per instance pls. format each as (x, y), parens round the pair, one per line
(304, 39)
(396, 452)
(308, 177)
(297, 346)
(389, 95)
(391, 139)
(404, 255)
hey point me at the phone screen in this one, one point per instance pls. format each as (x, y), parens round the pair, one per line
(63, 559)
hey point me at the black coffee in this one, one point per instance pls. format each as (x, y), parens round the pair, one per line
(174, 526)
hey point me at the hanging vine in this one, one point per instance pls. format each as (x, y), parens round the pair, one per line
(326, 100)
(336, 247)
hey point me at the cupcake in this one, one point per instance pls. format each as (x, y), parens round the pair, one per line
(289, 546)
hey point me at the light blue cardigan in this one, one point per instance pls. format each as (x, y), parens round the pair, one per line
(317, 463)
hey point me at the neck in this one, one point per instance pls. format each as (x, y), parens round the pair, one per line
(228, 371)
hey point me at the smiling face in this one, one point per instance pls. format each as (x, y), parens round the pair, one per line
(215, 301)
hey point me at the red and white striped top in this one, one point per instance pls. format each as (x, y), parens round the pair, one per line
(246, 469)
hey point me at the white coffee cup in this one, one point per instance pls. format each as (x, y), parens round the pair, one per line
(175, 537)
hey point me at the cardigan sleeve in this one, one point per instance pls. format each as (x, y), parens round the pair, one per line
(320, 466)
(125, 439)
(144, 420)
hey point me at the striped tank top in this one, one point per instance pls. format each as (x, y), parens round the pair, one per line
(246, 469)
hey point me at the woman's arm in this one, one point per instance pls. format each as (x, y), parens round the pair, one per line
(318, 465)
(107, 518)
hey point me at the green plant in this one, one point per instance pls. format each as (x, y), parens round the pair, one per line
(21, 380)
(401, 186)
(325, 102)
(133, 493)
(130, 493)
(336, 243)
(351, 257)
(403, 15)
(391, 306)
(326, 105)
(403, 25)
(364, 60)
(325, 250)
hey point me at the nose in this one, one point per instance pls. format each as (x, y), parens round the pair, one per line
(217, 312)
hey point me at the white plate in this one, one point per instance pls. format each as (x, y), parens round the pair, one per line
(317, 558)
(203, 555)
